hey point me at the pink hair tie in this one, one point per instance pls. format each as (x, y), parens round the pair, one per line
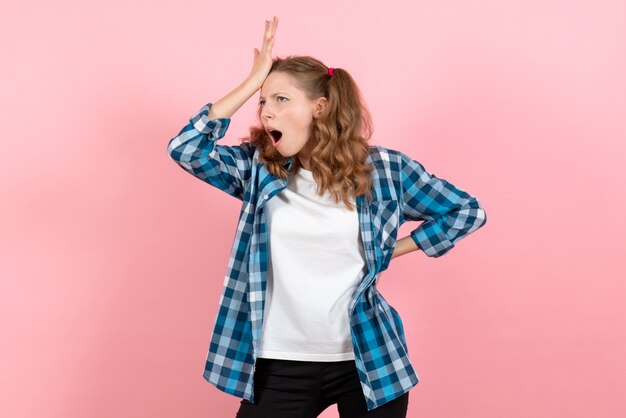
(330, 71)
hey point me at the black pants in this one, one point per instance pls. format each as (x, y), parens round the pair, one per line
(303, 389)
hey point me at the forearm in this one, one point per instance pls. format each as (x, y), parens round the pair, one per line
(404, 246)
(229, 104)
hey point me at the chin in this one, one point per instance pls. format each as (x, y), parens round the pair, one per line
(283, 153)
(287, 153)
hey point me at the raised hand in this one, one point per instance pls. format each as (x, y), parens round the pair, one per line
(263, 59)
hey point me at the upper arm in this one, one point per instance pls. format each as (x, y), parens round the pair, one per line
(449, 212)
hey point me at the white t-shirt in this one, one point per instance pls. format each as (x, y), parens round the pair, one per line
(316, 263)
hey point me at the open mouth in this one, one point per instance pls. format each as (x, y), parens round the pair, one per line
(276, 135)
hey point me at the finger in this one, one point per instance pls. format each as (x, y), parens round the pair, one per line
(268, 41)
(268, 31)
(271, 24)
(266, 44)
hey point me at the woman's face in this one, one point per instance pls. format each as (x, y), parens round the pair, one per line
(286, 109)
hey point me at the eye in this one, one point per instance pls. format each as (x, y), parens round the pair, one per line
(262, 102)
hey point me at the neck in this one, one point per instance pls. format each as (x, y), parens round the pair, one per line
(304, 156)
(304, 163)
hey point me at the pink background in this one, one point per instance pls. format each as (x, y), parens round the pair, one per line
(112, 258)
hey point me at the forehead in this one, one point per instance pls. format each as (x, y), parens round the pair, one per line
(278, 82)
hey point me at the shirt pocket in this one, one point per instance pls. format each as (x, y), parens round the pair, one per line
(385, 220)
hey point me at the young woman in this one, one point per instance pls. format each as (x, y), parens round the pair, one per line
(301, 325)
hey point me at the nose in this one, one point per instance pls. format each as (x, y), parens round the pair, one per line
(266, 112)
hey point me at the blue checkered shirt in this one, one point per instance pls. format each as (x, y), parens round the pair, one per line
(402, 191)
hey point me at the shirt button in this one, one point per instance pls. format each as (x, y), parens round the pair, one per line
(266, 197)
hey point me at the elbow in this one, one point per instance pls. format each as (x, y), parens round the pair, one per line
(170, 148)
(482, 214)
(477, 216)
(481, 218)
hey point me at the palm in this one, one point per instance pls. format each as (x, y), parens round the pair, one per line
(263, 58)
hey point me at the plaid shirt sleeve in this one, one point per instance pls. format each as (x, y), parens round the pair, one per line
(449, 213)
(194, 149)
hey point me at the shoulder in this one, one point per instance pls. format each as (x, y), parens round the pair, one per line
(386, 158)
(249, 147)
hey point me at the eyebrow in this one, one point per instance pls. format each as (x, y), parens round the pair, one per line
(273, 95)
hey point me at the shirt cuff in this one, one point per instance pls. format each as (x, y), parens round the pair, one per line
(215, 127)
(431, 238)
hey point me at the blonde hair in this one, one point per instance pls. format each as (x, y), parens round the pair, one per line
(341, 133)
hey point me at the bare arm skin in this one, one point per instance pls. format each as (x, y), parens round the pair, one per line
(404, 246)
(229, 104)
